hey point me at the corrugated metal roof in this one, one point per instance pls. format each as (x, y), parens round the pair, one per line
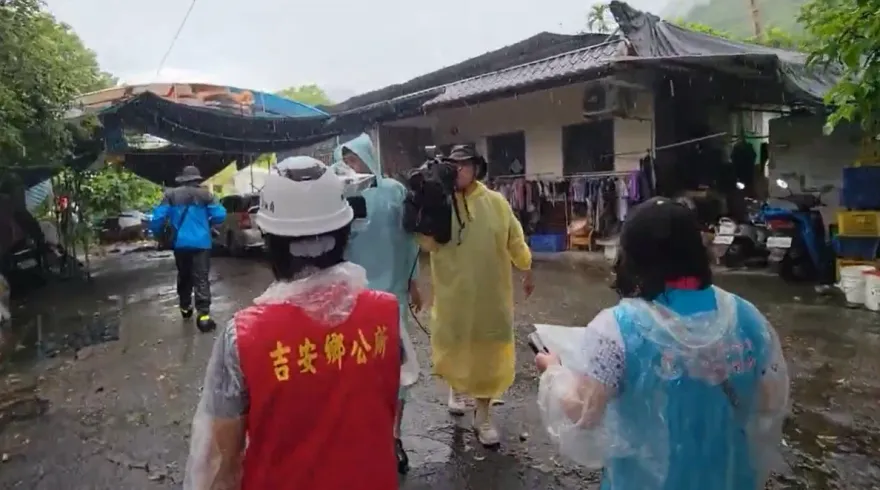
(560, 66)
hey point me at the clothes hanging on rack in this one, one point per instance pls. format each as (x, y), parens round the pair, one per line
(547, 204)
(605, 199)
(534, 200)
(523, 194)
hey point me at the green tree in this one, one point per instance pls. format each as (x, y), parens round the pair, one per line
(773, 37)
(43, 66)
(599, 19)
(847, 37)
(113, 189)
(311, 94)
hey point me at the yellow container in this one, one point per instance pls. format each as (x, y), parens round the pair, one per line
(841, 263)
(864, 224)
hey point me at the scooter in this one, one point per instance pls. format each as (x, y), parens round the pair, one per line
(738, 244)
(797, 245)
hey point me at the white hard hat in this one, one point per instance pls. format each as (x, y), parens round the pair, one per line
(303, 197)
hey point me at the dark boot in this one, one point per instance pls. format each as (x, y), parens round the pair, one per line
(186, 312)
(402, 458)
(205, 323)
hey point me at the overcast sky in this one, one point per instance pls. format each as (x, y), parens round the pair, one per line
(346, 46)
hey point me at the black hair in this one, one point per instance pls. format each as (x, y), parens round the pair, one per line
(661, 241)
(286, 266)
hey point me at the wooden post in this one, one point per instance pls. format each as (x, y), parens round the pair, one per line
(755, 14)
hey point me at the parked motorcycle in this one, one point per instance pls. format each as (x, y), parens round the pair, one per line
(740, 244)
(741, 240)
(797, 245)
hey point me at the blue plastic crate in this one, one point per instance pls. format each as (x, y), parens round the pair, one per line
(856, 248)
(547, 243)
(859, 189)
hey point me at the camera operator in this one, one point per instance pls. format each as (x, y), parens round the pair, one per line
(472, 333)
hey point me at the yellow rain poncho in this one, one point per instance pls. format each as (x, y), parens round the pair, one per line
(472, 315)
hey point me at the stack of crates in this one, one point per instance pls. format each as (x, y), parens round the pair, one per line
(858, 237)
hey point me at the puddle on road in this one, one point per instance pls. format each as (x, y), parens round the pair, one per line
(47, 335)
(828, 455)
(829, 446)
(833, 353)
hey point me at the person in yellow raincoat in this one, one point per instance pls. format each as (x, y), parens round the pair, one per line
(472, 333)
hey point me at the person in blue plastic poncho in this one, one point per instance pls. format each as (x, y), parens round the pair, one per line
(681, 385)
(387, 252)
(191, 210)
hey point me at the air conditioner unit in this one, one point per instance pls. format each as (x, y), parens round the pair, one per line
(606, 98)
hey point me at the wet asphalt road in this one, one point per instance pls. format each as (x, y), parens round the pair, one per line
(106, 401)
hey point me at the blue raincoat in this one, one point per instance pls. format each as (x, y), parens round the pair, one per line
(383, 248)
(700, 391)
(194, 233)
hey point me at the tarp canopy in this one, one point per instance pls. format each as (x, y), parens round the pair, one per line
(655, 40)
(232, 100)
(163, 165)
(208, 126)
(205, 125)
(205, 128)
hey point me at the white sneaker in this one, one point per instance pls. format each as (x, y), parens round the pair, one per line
(457, 403)
(487, 434)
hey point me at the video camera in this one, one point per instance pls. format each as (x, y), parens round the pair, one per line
(427, 208)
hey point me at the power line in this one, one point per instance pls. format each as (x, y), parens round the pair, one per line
(174, 39)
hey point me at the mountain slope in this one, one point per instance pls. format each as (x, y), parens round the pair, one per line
(677, 9)
(733, 16)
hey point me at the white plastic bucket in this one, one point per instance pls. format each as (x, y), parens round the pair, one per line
(852, 283)
(872, 290)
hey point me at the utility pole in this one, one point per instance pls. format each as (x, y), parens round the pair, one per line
(756, 18)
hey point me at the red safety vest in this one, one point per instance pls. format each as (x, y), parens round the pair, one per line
(322, 399)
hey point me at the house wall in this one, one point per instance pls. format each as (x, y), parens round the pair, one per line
(402, 148)
(541, 116)
(798, 146)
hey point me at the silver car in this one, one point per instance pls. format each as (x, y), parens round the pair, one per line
(239, 233)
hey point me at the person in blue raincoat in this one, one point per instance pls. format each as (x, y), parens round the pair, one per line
(192, 210)
(388, 253)
(681, 385)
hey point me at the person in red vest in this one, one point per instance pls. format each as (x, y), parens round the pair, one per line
(301, 388)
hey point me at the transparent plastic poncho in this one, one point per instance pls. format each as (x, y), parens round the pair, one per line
(328, 296)
(589, 422)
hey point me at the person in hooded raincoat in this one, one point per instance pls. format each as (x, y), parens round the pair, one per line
(681, 385)
(388, 253)
(472, 333)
